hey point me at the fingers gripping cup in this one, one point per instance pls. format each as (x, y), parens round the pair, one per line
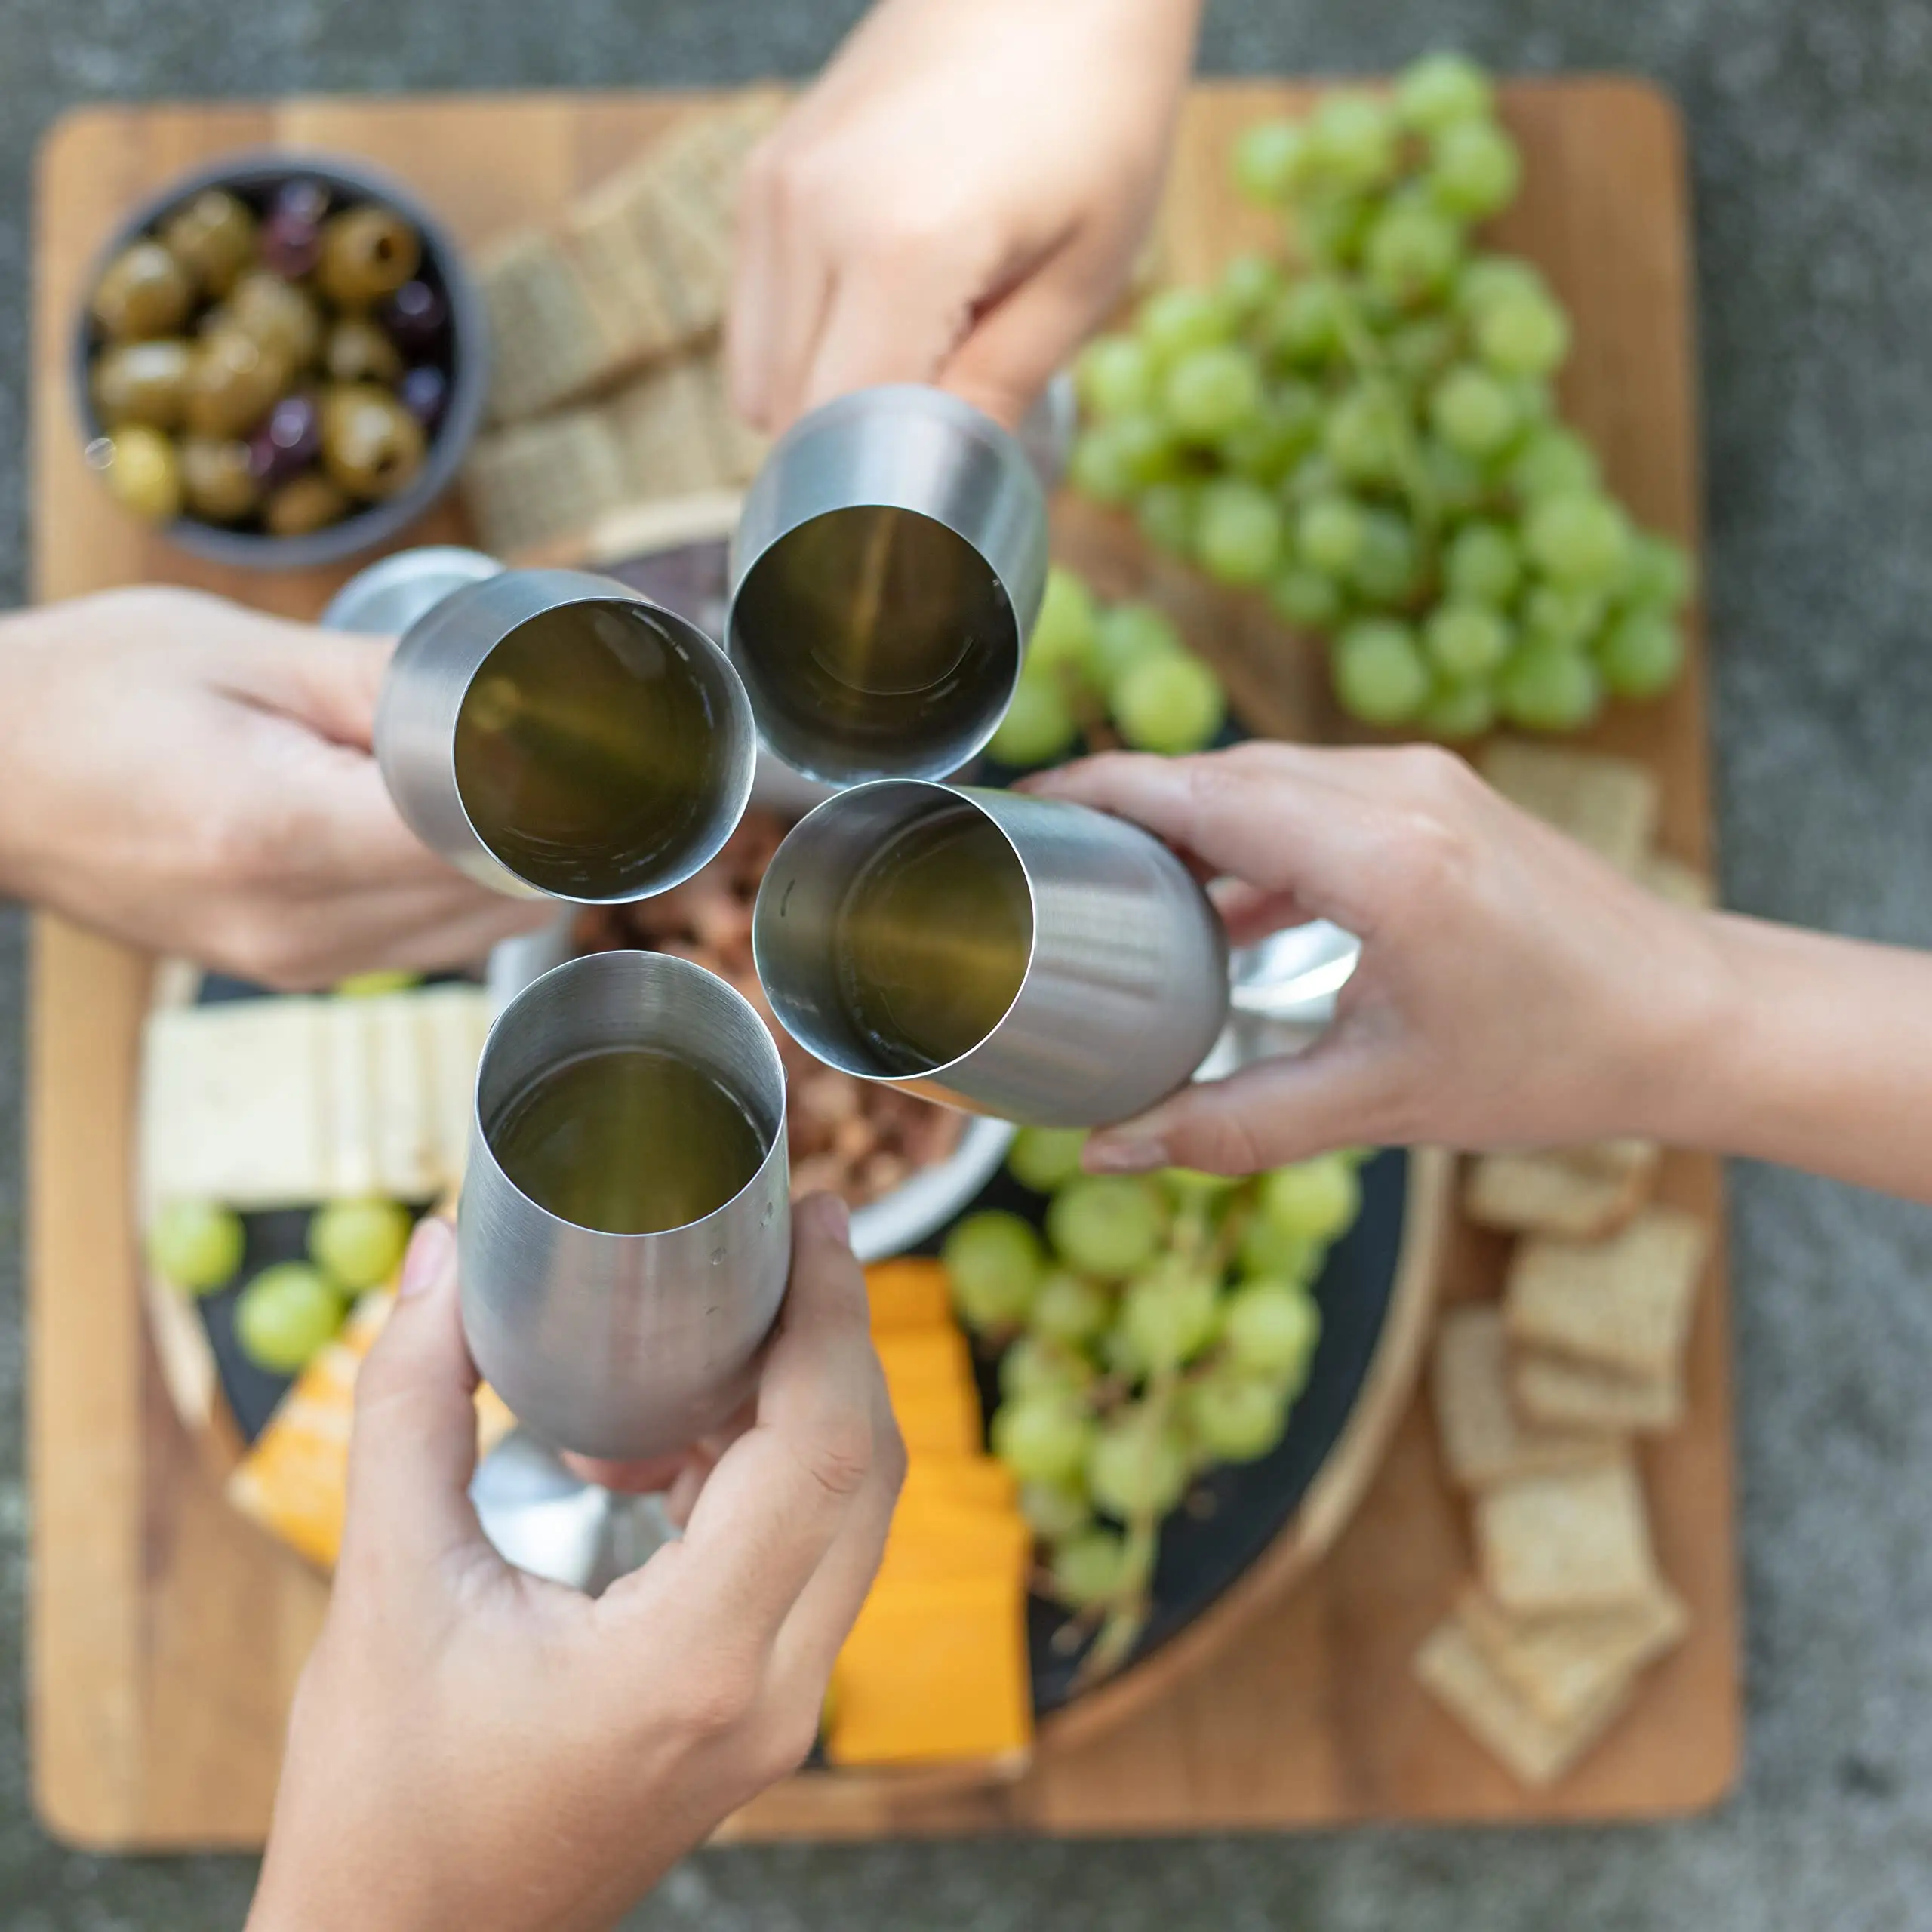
(553, 733)
(625, 1227)
(888, 566)
(1016, 956)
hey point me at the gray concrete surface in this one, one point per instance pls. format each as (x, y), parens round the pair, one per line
(1812, 147)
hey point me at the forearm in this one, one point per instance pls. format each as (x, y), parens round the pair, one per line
(1811, 1051)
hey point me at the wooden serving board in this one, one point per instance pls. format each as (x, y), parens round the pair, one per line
(167, 1632)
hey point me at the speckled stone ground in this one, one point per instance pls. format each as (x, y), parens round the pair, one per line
(1813, 154)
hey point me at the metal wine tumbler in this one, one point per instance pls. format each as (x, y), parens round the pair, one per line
(1123, 982)
(553, 733)
(888, 568)
(623, 1344)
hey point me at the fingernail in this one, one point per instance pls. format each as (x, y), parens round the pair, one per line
(1134, 1155)
(431, 1256)
(829, 1217)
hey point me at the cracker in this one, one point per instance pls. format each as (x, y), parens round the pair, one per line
(664, 424)
(1607, 804)
(1554, 1393)
(1563, 1666)
(1579, 1540)
(1483, 1440)
(1544, 1194)
(1671, 878)
(550, 339)
(536, 482)
(1450, 1665)
(1619, 1158)
(1624, 1302)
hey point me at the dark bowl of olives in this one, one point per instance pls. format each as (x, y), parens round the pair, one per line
(281, 362)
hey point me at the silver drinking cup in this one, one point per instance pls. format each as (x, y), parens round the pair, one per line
(536, 785)
(888, 568)
(623, 1344)
(1125, 986)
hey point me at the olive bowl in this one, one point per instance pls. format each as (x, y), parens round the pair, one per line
(253, 177)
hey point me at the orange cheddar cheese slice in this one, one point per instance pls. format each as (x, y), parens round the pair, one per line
(909, 1292)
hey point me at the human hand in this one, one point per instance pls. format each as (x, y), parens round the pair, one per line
(1513, 989)
(471, 1746)
(957, 200)
(194, 778)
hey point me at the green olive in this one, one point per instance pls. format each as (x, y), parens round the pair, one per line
(358, 351)
(142, 471)
(233, 383)
(367, 253)
(371, 445)
(212, 238)
(309, 503)
(277, 315)
(142, 382)
(144, 292)
(217, 482)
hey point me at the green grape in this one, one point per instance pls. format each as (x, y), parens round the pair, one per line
(1552, 462)
(1305, 598)
(994, 1261)
(1577, 538)
(1657, 574)
(1208, 392)
(1121, 1357)
(1136, 1465)
(1106, 1225)
(1146, 451)
(1351, 141)
(1441, 89)
(1173, 705)
(1474, 169)
(195, 1246)
(1487, 279)
(1553, 614)
(1316, 1199)
(1549, 688)
(1384, 572)
(1315, 476)
(1045, 1157)
(1128, 633)
(1467, 641)
(1169, 513)
(1330, 534)
(1053, 1510)
(1641, 654)
(1038, 726)
(1063, 639)
(1379, 675)
(1459, 711)
(1473, 412)
(1194, 1184)
(1173, 321)
(1037, 1367)
(1098, 465)
(1332, 229)
(1169, 1314)
(1455, 480)
(1419, 351)
(1281, 429)
(1482, 565)
(1522, 335)
(1236, 1418)
(1410, 251)
(1270, 1328)
(358, 1244)
(1114, 375)
(285, 1316)
(1045, 1438)
(1366, 435)
(1090, 1566)
(1269, 159)
(377, 985)
(1267, 1251)
(1304, 325)
(1070, 1308)
(1249, 282)
(1238, 540)
(1535, 400)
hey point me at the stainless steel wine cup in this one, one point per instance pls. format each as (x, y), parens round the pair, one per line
(437, 661)
(612, 1345)
(1125, 991)
(888, 568)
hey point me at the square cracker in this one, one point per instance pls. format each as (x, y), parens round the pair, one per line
(1563, 1667)
(1579, 1539)
(1619, 1158)
(535, 482)
(1483, 1440)
(1623, 1302)
(1673, 879)
(1451, 1665)
(550, 338)
(1554, 1393)
(1545, 1194)
(1607, 804)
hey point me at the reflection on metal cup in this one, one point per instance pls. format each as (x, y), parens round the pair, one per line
(887, 570)
(623, 1344)
(553, 733)
(1061, 968)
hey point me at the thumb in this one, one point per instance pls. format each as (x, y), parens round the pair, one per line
(326, 680)
(414, 1449)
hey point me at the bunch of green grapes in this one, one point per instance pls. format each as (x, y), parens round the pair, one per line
(1365, 429)
(1163, 1326)
(1090, 670)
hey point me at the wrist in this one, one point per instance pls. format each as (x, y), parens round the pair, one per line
(18, 648)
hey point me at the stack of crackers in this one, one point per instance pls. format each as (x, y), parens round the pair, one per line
(606, 387)
(1539, 1398)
